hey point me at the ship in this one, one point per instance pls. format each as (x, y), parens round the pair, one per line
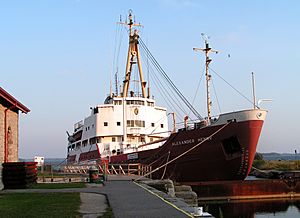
(130, 128)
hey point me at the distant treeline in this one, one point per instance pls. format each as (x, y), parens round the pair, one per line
(278, 156)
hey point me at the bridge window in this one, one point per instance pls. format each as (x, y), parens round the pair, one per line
(117, 102)
(135, 102)
(135, 123)
(151, 104)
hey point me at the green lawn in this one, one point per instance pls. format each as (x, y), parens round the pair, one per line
(58, 185)
(39, 205)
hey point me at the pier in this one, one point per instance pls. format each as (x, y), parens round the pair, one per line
(126, 198)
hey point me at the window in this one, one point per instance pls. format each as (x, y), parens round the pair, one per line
(135, 123)
(135, 102)
(96, 110)
(113, 139)
(142, 139)
(93, 141)
(162, 125)
(78, 144)
(118, 123)
(151, 104)
(117, 102)
(98, 139)
(130, 123)
(105, 123)
(84, 143)
(152, 124)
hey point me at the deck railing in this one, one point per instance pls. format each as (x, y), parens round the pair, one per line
(109, 169)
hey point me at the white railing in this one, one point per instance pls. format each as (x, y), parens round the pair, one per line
(110, 169)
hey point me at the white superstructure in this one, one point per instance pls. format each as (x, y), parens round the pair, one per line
(126, 122)
(104, 133)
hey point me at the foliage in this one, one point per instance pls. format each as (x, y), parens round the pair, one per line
(259, 164)
(40, 205)
(258, 156)
(277, 165)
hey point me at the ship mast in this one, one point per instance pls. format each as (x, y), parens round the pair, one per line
(133, 57)
(207, 50)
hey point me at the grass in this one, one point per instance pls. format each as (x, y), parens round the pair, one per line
(58, 185)
(55, 174)
(39, 205)
(277, 165)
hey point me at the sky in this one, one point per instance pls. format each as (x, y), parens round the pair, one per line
(56, 57)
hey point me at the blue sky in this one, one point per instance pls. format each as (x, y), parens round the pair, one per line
(56, 58)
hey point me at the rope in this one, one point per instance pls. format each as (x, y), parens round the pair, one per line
(165, 166)
(184, 153)
(157, 160)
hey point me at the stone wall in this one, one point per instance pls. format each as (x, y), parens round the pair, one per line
(13, 136)
(1, 134)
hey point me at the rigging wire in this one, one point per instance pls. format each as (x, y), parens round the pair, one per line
(159, 68)
(232, 86)
(164, 92)
(169, 98)
(167, 78)
(198, 85)
(213, 85)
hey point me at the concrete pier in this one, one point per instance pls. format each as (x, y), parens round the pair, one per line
(127, 199)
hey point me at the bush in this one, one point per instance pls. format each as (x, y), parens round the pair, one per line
(258, 156)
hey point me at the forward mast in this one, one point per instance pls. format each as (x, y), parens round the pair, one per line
(207, 50)
(133, 57)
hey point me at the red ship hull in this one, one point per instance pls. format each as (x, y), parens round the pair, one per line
(228, 155)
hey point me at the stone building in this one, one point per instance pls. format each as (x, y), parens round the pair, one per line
(9, 126)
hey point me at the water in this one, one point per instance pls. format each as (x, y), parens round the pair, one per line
(254, 209)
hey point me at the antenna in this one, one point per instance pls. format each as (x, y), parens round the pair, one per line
(116, 83)
(207, 50)
(205, 37)
(253, 91)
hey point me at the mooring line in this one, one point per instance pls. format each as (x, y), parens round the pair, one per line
(173, 205)
(184, 153)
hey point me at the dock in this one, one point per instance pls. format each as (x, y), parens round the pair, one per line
(128, 199)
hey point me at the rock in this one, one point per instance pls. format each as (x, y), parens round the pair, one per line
(182, 188)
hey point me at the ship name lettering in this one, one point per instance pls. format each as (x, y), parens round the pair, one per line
(183, 142)
(204, 138)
